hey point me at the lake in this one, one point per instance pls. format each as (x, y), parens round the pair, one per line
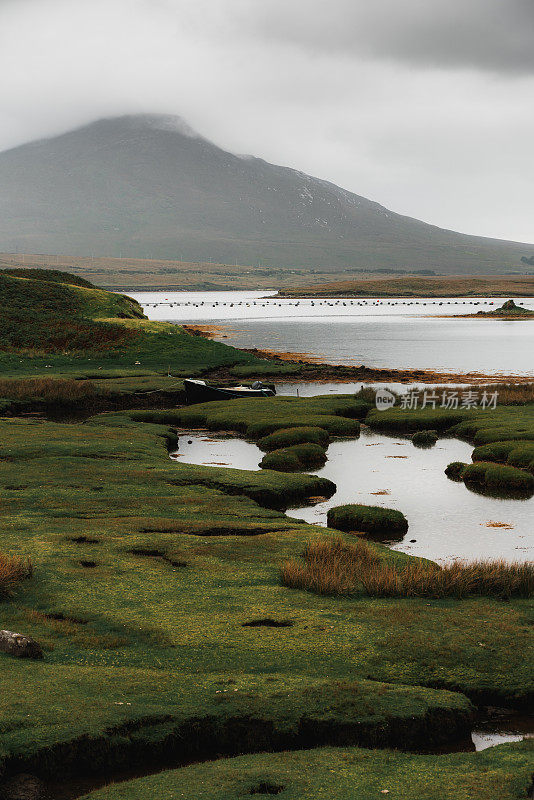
(395, 334)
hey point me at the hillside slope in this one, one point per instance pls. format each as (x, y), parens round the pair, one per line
(146, 186)
(50, 325)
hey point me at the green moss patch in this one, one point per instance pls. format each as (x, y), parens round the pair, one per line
(373, 520)
(285, 437)
(425, 438)
(498, 477)
(455, 470)
(296, 458)
(154, 713)
(517, 454)
(257, 418)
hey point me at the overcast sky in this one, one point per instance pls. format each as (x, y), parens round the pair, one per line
(424, 105)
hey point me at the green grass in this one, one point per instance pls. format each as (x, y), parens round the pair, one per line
(297, 458)
(184, 557)
(142, 709)
(110, 479)
(257, 418)
(147, 575)
(498, 477)
(48, 275)
(455, 470)
(373, 520)
(502, 773)
(51, 327)
(285, 437)
(425, 438)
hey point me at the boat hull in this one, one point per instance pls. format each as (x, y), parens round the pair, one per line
(202, 393)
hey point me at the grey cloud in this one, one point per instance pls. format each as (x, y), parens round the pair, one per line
(495, 35)
(342, 90)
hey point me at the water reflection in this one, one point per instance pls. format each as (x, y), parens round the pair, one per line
(447, 521)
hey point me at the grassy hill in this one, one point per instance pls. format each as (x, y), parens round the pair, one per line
(53, 323)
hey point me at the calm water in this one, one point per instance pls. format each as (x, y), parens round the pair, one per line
(447, 520)
(399, 334)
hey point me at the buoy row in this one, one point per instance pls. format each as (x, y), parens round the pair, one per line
(317, 303)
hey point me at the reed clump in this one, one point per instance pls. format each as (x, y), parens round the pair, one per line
(13, 570)
(47, 389)
(332, 567)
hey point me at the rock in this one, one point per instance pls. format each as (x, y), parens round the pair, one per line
(508, 306)
(15, 644)
(24, 787)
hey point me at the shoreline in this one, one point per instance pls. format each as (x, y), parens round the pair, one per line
(310, 368)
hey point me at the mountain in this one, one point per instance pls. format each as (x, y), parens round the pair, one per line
(149, 186)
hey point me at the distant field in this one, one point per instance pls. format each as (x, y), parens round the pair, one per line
(129, 274)
(498, 286)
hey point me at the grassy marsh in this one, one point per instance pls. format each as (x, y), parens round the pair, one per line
(151, 580)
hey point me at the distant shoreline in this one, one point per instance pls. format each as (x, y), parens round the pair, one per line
(472, 288)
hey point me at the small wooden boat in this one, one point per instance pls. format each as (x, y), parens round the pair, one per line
(201, 392)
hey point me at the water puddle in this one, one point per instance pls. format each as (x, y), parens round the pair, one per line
(216, 451)
(500, 728)
(446, 519)
(313, 388)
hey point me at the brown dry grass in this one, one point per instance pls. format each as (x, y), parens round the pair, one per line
(12, 571)
(48, 389)
(511, 394)
(332, 567)
(508, 394)
(453, 286)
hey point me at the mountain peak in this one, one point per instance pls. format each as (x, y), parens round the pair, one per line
(143, 122)
(148, 183)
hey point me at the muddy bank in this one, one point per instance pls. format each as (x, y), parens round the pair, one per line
(309, 370)
(73, 768)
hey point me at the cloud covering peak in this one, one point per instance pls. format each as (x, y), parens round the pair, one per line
(424, 105)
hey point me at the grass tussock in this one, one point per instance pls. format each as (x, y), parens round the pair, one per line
(13, 570)
(332, 567)
(498, 477)
(286, 437)
(47, 389)
(297, 458)
(373, 520)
